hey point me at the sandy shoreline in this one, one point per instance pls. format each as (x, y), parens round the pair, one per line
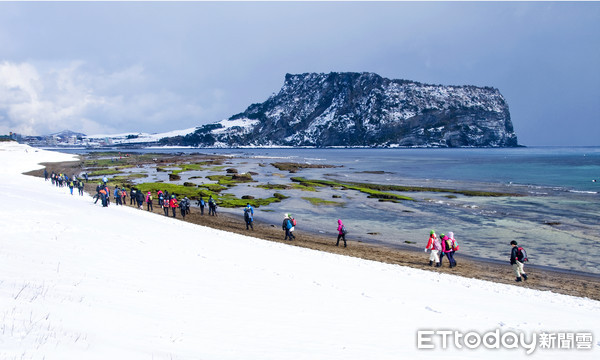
(558, 281)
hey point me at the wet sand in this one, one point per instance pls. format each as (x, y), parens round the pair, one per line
(558, 281)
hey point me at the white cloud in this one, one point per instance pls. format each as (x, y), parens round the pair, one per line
(38, 99)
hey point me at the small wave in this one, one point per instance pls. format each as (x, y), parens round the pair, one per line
(272, 157)
(583, 192)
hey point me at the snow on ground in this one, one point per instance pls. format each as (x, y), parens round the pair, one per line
(78, 281)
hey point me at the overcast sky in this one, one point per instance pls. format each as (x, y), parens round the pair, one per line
(111, 67)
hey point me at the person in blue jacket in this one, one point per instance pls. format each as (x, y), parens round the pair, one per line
(201, 204)
(249, 216)
(288, 225)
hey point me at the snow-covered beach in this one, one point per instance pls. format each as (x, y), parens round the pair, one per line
(78, 281)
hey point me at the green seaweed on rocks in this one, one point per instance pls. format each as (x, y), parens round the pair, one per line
(230, 201)
(318, 201)
(191, 167)
(213, 187)
(103, 172)
(372, 193)
(376, 190)
(231, 180)
(269, 186)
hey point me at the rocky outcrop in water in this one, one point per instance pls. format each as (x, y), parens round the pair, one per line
(365, 109)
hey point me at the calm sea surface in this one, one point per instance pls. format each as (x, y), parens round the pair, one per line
(558, 219)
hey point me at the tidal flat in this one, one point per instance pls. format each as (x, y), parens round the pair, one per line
(198, 175)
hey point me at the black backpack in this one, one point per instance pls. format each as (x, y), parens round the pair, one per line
(522, 254)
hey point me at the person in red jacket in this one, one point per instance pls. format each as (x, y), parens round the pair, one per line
(173, 204)
(435, 247)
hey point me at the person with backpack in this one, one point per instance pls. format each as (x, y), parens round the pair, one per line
(517, 257)
(80, 186)
(166, 206)
(455, 246)
(448, 249)
(123, 196)
(287, 225)
(188, 205)
(118, 196)
(173, 205)
(212, 207)
(249, 216)
(161, 198)
(103, 196)
(341, 233)
(140, 198)
(71, 185)
(149, 201)
(184, 207)
(133, 197)
(293, 226)
(201, 204)
(434, 245)
(107, 189)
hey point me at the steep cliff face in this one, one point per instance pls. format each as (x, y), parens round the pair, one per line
(364, 109)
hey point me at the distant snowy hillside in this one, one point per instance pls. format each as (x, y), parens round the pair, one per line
(134, 137)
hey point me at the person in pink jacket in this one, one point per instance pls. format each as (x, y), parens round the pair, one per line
(449, 246)
(341, 233)
(435, 247)
(149, 201)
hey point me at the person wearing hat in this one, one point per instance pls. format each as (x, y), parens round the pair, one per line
(516, 264)
(448, 250)
(287, 226)
(149, 201)
(435, 247)
(173, 204)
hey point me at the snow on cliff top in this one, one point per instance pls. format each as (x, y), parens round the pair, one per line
(78, 281)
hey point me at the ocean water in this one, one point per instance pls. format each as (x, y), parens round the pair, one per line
(557, 218)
